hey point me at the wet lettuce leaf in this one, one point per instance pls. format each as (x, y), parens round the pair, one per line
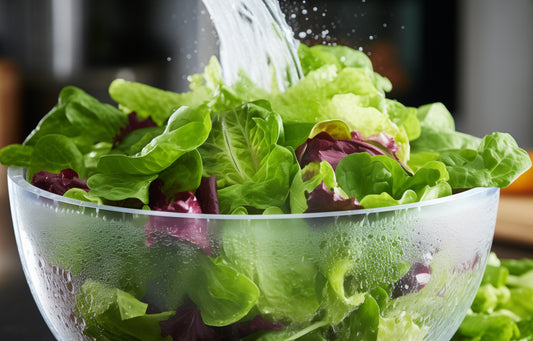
(378, 181)
(306, 180)
(113, 314)
(81, 117)
(242, 151)
(55, 152)
(503, 307)
(151, 102)
(223, 294)
(186, 129)
(280, 260)
(493, 161)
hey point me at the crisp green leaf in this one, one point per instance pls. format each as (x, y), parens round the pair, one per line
(113, 314)
(494, 327)
(148, 101)
(242, 151)
(306, 180)
(80, 194)
(378, 181)
(497, 162)
(185, 174)
(280, 260)
(116, 187)
(135, 141)
(362, 324)
(16, 155)
(54, 153)
(186, 130)
(223, 295)
(81, 117)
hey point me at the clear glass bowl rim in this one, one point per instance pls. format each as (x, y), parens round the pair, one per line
(17, 176)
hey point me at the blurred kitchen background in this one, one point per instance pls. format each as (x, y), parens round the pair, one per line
(475, 56)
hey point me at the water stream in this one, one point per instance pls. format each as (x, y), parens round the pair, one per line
(255, 38)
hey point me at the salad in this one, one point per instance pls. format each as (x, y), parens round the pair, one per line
(503, 307)
(331, 142)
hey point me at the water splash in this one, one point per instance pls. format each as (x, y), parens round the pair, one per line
(255, 38)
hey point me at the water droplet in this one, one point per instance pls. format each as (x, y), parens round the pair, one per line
(302, 35)
(304, 11)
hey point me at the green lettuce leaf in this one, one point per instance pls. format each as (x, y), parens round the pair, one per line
(81, 117)
(16, 155)
(186, 129)
(438, 131)
(116, 187)
(378, 180)
(53, 153)
(242, 151)
(503, 306)
(148, 101)
(280, 261)
(308, 179)
(185, 174)
(222, 294)
(112, 314)
(497, 162)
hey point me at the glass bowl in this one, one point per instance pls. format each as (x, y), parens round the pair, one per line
(408, 272)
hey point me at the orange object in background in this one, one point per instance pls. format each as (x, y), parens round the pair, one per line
(10, 86)
(524, 183)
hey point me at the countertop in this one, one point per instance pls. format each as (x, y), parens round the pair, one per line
(20, 319)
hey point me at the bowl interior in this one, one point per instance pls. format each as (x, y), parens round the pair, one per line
(426, 259)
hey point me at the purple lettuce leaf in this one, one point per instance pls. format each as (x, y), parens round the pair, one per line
(190, 230)
(59, 183)
(413, 281)
(322, 199)
(257, 324)
(207, 195)
(324, 147)
(187, 325)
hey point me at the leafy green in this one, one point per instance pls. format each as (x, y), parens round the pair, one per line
(116, 187)
(80, 194)
(438, 131)
(381, 181)
(242, 151)
(503, 307)
(223, 295)
(497, 162)
(280, 260)
(113, 314)
(80, 117)
(152, 102)
(185, 174)
(493, 161)
(308, 179)
(186, 129)
(16, 155)
(54, 153)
